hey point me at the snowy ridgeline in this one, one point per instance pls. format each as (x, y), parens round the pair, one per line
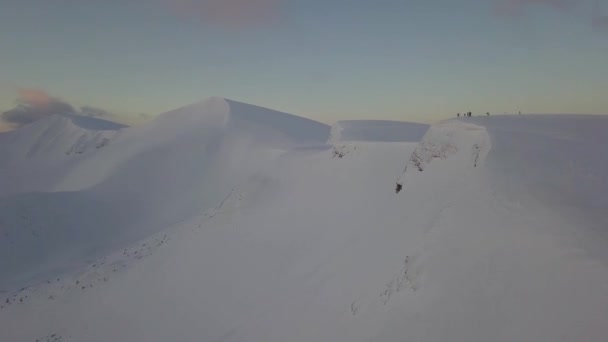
(59, 208)
(56, 137)
(229, 230)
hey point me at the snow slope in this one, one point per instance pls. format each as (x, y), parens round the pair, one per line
(53, 137)
(484, 242)
(146, 178)
(34, 157)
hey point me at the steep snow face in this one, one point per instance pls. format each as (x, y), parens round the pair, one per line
(34, 157)
(55, 137)
(147, 178)
(377, 130)
(265, 126)
(290, 129)
(465, 144)
(316, 246)
(273, 261)
(501, 250)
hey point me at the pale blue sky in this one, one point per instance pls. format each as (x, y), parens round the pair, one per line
(414, 60)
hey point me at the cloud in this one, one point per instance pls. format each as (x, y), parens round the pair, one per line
(599, 22)
(516, 7)
(34, 104)
(35, 97)
(231, 14)
(94, 112)
(6, 127)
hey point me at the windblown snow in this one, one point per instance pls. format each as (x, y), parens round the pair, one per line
(377, 130)
(222, 221)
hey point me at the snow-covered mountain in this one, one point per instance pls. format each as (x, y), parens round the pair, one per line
(138, 181)
(56, 136)
(33, 157)
(223, 221)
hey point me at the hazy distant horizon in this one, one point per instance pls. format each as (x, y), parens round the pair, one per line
(324, 60)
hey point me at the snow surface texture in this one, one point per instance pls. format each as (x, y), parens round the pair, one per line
(34, 156)
(313, 244)
(377, 130)
(142, 180)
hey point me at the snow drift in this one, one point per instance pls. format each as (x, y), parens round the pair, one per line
(483, 243)
(142, 180)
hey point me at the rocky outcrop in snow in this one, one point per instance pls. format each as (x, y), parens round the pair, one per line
(446, 139)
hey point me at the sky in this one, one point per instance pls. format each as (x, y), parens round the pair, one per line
(410, 60)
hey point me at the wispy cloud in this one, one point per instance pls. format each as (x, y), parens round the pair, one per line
(231, 14)
(94, 112)
(517, 7)
(33, 104)
(600, 20)
(35, 97)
